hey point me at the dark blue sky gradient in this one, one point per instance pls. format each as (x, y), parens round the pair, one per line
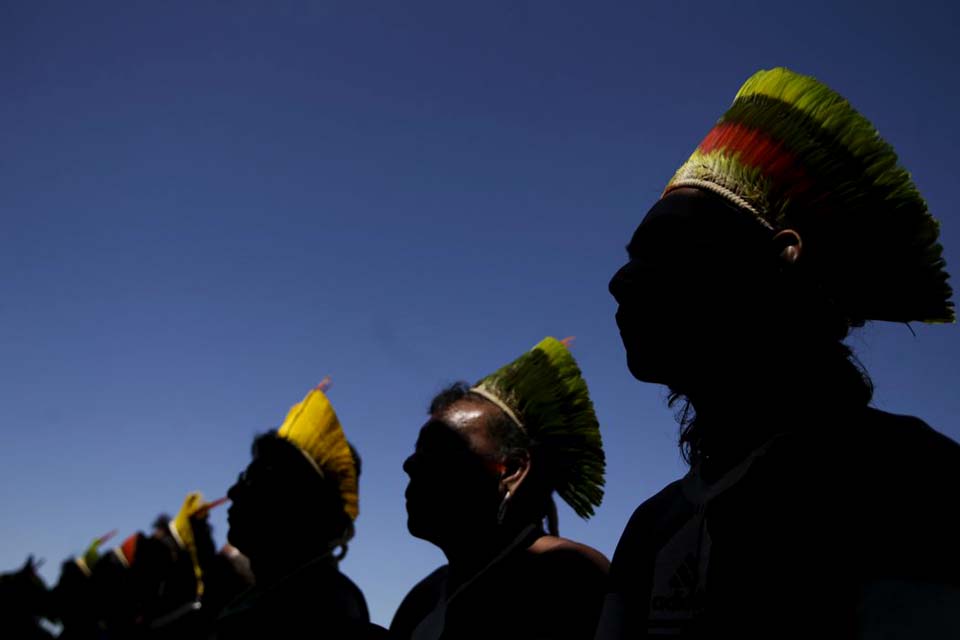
(205, 207)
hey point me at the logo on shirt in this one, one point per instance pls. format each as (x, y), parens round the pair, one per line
(684, 594)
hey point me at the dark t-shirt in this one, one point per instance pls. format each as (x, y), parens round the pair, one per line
(553, 594)
(815, 534)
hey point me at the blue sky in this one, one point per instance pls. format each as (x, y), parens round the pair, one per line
(205, 207)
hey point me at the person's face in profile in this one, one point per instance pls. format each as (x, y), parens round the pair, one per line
(689, 288)
(282, 509)
(257, 504)
(454, 475)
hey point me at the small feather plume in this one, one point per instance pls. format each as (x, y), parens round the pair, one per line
(91, 554)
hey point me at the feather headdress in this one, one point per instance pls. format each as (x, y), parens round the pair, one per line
(90, 556)
(795, 154)
(315, 429)
(181, 528)
(544, 393)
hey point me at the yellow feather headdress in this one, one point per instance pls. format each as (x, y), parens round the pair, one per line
(314, 428)
(182, 530)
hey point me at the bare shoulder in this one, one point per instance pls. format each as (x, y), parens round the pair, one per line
(568, 551)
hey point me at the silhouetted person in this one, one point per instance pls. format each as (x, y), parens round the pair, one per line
(194, 586)
(24, 601)
(163, 569)
(119, 595)
(78, 600)
(292, 516)
(108, 595)
(75, 603)
(805, 513)
(129, 585)
(486, 465)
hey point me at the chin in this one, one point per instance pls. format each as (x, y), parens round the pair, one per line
(644, 370)
(413, 524)
(236, 540)
(646, 362)
(418, 530)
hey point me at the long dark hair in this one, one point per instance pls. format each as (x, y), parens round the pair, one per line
(817, 327)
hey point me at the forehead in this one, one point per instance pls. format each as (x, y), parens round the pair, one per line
(465, 422)
(277, 460)
(688, 221)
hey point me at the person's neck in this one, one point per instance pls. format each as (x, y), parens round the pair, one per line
(738, 410)
(809, 381)
(467, 556)
(274, 567)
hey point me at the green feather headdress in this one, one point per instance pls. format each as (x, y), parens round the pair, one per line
(794, 153)
(544, 392)
(91, 554)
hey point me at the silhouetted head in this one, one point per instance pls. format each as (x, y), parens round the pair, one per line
(283, 509)
(74, 599)
(118, 599)
(203, 536)
(790, 223)
(707, 286)
(103, 598)
(710, 299)
(468, 455)
(161, 526)
(23, 597)
(159, 577)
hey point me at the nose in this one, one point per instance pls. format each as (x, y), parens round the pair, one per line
(236, 490)
(409, 464)
(618, 283)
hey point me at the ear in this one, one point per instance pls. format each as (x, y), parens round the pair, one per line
(514, 474)
(789, 245)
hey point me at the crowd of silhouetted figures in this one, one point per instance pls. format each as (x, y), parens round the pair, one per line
(144, 588)
(805, 512)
